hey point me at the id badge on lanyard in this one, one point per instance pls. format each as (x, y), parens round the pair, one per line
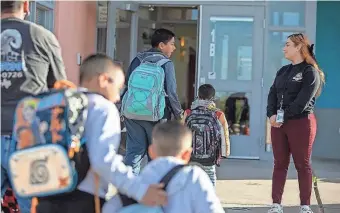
(280, 113)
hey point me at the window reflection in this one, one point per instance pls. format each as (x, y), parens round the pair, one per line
(123, 37)
(231, 47)
(177, 13)
(276, 58)
(236, 107)
(288, 14)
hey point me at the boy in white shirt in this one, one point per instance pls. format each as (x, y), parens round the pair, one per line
(190, 190)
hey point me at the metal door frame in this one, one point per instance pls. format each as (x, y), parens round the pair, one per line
(257, 73)
(111, 29)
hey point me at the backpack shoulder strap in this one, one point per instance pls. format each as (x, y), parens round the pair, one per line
(168, 176)
(126, 201)
(162, 62)
(146, 58)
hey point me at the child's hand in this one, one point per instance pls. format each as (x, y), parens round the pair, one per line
(155, 196)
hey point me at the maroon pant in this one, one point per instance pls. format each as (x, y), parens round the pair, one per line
(294, 137)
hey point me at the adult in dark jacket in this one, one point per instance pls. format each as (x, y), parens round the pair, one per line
(138, 131)
(31, 63)
(290, 109)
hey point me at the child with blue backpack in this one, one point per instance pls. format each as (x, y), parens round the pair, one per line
(68, 140)
(188, 188)
(150, 96)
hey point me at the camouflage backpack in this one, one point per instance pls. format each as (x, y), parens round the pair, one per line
(206, 135)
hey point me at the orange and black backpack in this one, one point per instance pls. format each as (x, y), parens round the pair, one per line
(51, 158)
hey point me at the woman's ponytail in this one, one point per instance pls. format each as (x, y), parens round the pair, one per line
(311, 59)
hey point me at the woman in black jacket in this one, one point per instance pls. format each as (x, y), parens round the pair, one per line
(290, 109)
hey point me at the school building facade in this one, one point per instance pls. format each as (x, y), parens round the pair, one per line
(234, 45)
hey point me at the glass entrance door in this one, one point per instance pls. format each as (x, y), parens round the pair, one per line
(231, 59)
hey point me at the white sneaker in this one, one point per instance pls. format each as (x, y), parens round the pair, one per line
(305, 209)
(276, 208)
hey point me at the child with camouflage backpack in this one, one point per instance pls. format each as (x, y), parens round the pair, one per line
(210, 131)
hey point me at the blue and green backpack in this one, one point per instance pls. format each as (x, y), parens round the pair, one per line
(145, 96)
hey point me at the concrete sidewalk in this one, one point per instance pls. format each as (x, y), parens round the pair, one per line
(245, 186)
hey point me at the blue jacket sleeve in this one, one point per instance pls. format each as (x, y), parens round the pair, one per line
(171, 89)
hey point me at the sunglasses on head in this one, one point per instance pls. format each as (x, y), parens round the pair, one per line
(296, 35)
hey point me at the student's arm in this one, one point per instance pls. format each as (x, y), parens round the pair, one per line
(225, 126)
(185, 115)
(171, 90)
(103, 142)
(204, 196)
(310, 85)
(56, 69)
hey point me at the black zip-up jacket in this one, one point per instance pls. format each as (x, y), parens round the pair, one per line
(298, 84)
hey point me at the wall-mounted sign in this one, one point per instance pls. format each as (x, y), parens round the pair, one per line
(102, 14)
(212, 75)
(212, 50)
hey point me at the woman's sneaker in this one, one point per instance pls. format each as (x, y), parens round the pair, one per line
(305, 209)
(276, 208)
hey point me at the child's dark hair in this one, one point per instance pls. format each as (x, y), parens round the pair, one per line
(11, 6)
(96, 64)
(161, 36)
(206, 92)
(170, 137)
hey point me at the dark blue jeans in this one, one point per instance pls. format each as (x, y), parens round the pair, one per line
(7, 148)
(139, 135)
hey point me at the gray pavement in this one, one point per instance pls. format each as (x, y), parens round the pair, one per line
(245, 186)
